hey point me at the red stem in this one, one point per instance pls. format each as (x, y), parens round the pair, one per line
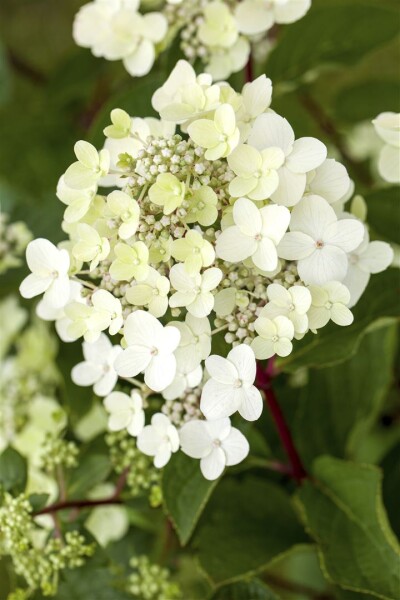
(264, 379)
(86, 503)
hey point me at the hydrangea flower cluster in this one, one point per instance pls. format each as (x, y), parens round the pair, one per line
(230, 230)
(219, 33)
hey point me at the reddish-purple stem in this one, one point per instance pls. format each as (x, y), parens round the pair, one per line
(264, 382)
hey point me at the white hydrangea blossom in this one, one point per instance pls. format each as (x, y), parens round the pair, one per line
(116, 30)
(98, 367)
(216, 443)
(218, 32)
(210, 248)
(387, 126)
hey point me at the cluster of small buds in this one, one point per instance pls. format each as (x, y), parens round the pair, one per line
(150, 581)
(38, 565)
(288, 276)
(183, 409)
(57, 453)
(14, 238)
(143, 478)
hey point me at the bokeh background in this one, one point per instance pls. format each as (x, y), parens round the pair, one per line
(332, 72)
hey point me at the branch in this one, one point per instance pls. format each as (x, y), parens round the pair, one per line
(264, 378)
(24, 69)
(326, 125)
(115, 498)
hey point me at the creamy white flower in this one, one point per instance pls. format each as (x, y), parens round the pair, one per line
(152, 292)
(47, 312)
(367, 258)
(98, 367)
(329, 302)
(215, 443)
(195, 342)
(319, 241)
(255, 235)
(219, 26)
(194, 291)
(257, 16)
(104, 301)
(330, 181)
(255, 99)
(127, 210)
(184, 95)
(387, 126)
(78, 201)
(120, 33)
(150, 350)
(230, 387)
(49, 267)
(90, 247)
(125, 412)
(219, 135)
(160, 439)
(292, 303)
(89, 168)
(84, 320)
(256, 172)
(274, 337)
(301, 156)
(194, 251)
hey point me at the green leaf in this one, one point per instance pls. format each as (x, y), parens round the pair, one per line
(330, 34)
(339, 403)
(93, 469)
(383, 206)
(244, 590)
(343, 511)
(38, 501)
(247, 525)
(378, 307)
(89, 583)
(5, 80)
(13, 471)
(366, 100)
(185, 493)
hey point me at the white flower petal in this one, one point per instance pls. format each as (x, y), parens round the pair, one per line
(308, 153)
(218, 400)
(234, 246)
(236, 447)
(244, 360)
(132, 361)
(213, 465)
(252, 404)
(160, 372)
(327, 264)
(270, 129)
(195, 439)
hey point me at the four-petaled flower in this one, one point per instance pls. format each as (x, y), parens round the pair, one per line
(160, 439)
(329, 303)
(256, 234)
(274, 337)
(98, 367)
(319, 241)
(219, 135)
(215, 443)
(230, 387)
(49, 267)
(292, 303)
(150, 350)
(125, 412)
(194, 291)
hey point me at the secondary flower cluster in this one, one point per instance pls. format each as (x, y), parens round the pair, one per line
(219, 33)
(387, 126)
(230, 234)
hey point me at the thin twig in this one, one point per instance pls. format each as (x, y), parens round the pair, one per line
(115, 498)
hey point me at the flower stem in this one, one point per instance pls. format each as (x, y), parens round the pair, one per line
(115, 498)
(264, 378)
(249, 70)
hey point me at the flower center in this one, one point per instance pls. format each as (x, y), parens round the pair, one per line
(154, 351)
(275, 338)
(216, 443)
(292, 307)
(319, 244)
(238, 383)
(328, 305)
(258, 237)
